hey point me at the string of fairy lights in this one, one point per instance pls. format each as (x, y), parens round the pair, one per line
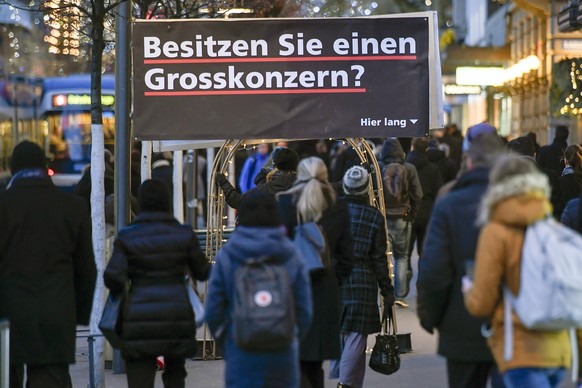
(573, 103)
(253, 147)
(63, 35)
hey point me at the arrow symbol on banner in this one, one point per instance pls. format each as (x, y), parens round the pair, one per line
(413, 121)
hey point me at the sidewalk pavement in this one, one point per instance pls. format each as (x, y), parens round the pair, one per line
(419, 368)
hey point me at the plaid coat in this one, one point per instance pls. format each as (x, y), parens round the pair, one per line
(360, 291)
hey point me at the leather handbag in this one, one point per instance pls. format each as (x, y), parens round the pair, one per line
(111, 320)
(385, 356)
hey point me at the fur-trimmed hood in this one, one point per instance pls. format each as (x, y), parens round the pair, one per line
(519, 200)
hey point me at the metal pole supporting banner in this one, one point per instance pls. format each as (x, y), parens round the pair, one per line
(122, 129)
(4, 353)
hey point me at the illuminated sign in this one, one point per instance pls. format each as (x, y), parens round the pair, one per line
(493, 76)
(572, 44)
(454, 89)
(62, 100)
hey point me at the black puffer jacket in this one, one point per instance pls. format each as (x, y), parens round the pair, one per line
(154, 253)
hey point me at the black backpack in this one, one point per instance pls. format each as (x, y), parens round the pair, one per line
(263, 315)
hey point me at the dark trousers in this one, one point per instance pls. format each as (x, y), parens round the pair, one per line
(311, 374)
(417, 233)
(473, 374)
(42, 376)
(141, 373)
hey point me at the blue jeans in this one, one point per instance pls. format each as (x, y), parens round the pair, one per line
(534, 377)
(399, 237)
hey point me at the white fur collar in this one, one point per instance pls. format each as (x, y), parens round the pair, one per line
(511, 187)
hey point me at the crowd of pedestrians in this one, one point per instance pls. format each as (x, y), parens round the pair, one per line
(462, 201)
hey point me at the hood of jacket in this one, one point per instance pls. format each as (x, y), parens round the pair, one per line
(392, 151)
(418, 159)
(281, 181)
(256, 241)
(517, 201)
(435, 155)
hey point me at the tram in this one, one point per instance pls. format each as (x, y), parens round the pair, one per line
(18, 118)
(55, 113)
(65, 112)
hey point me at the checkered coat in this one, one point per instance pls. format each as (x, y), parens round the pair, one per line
(360, 291)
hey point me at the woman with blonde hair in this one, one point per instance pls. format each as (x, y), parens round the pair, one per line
(313, 199)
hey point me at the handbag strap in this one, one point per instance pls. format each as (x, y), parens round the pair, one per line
(388, 323)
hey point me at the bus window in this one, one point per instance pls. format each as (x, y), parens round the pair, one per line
(70, 139)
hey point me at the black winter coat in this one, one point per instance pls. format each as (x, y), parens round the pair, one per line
(569, 187)
(551, 157)
(47, 270)
(451, 240)
(153, 254)
(279, 181)
(445, 165)
(322, 341)
(430, 181)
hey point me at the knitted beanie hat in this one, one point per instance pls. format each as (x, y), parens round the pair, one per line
(258, 208)
(285, 159)
(475, 131)
(355, 181)
(154, 195)
(25, 155)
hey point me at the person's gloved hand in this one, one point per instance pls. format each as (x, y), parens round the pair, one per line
(367, 166)
(220, 178)
(388, 306)
(389, 300)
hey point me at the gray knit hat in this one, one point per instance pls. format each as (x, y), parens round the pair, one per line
(355, 181)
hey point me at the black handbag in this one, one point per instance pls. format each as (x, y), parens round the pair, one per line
(111, 320)
(385, 356)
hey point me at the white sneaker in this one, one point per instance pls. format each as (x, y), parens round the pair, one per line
(401, 303)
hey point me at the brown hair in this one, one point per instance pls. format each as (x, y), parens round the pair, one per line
(573, 155)
(420, 144)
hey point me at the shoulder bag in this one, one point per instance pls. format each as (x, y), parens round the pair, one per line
(110, 323)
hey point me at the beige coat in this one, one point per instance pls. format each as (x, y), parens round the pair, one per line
(497, 264)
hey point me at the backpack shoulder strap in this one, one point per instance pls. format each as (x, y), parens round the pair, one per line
(508, 325)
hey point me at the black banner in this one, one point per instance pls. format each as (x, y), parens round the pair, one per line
(280, 78)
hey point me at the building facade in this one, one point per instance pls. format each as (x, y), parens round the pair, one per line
(540, 70)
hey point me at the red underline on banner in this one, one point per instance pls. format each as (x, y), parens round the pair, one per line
(291, 59)
(239, 92)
